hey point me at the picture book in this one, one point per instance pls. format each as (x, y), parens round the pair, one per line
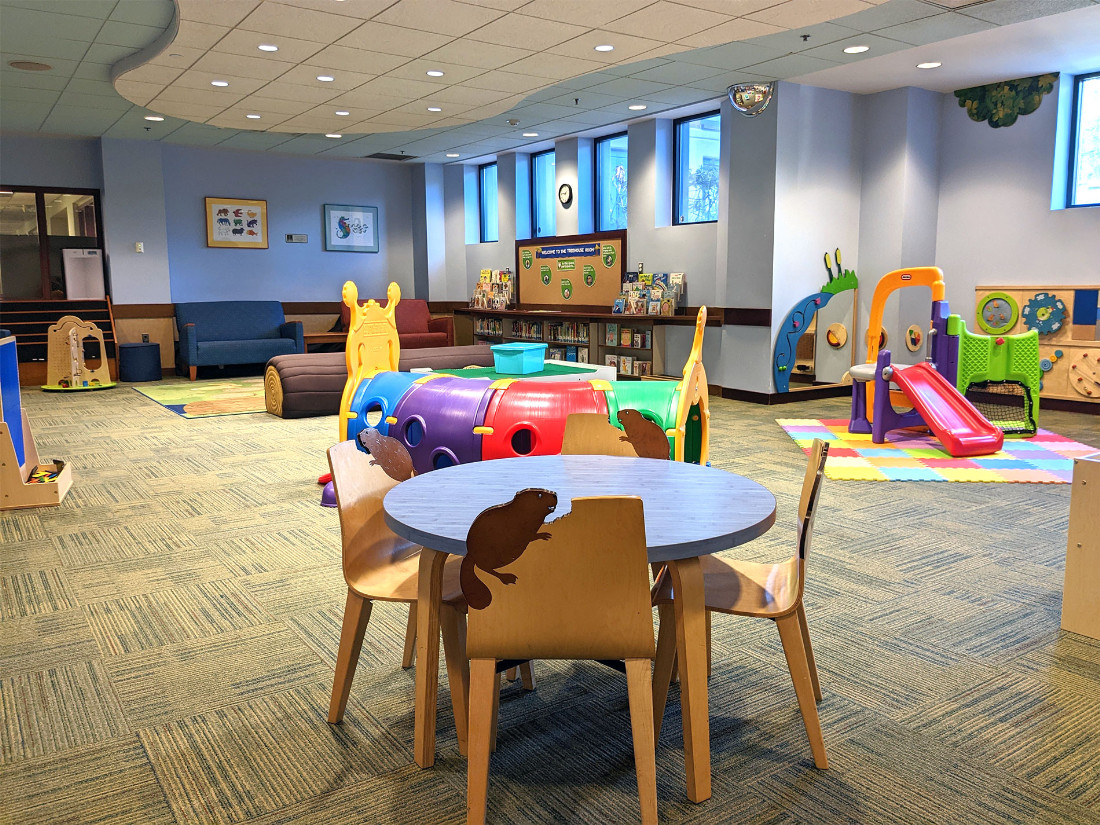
(626, 365)
(611, 360)
(626, 338)
(619, 305)
(638, 340)
(611, 336)
(654, 308)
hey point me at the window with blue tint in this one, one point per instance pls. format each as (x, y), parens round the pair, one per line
(544, 213)
(1085, 171)
(696, 170)
(487, 202)
(611, 180)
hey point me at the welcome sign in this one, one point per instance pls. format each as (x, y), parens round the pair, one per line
(571, 272)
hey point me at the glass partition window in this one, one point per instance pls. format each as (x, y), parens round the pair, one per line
(544, 211)
(1085, 172)
(611, 182)
(487, 202)
(696, 170)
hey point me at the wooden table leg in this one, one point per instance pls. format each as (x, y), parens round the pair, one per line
(691, 654)
(429, 596)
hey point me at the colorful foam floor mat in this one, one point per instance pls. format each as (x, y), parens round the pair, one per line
(913, 455)
(203, 399)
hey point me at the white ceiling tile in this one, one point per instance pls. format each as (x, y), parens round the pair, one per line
(291, 49)
(500, 5)
(342, 80)
(218, 12)
(797, 14)
(195, 35)
(295, 91)
(115, 33)
(103, 53)
(359, 99)
(345, 58)
(187, 56)
(114, 103)
(934, 29)
(729, 56)
(261, 103)
(37, 45)
(183, 109)
(396, 87)
(235, 119)
(730, 8)
(520, 30)
(626, 46)
(507, 82)
(553, 66)
(877, 46)
(292, 21)
(197, 134)
(150, 73)
(93, 71)
(439, 16)
(139, 93)
(666, 21)
(417, 70)
(238, 86)
(253, 141)
(572, 11)
(683, 95)
(230, 66)
(468, 96)
(677, 73)
(481, 55)
(629, 87)
(381, 37)
(198, 97)
(40, 19)
(359, 9)
(740, 29)
(790, 65)
(893, 13)
(405, 120)
(147, 14)
(43, 97)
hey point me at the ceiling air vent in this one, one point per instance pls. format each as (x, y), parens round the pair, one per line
(389, 156)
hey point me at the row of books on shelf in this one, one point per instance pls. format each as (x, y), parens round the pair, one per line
(530, 330)
(617, 335)
(650, 293)
(567, 353)
(628, 365)
(489, 326)
(573, 332)
(495, 289)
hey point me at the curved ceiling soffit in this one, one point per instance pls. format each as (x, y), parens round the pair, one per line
(177, 82)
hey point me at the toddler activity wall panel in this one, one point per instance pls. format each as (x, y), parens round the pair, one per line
(1067, 319)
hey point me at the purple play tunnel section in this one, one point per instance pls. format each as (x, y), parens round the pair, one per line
(436, 420)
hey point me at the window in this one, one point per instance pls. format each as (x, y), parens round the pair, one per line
(544, 212)
(1084, 175)
(487, 202)
(611, 178)
(696, 170)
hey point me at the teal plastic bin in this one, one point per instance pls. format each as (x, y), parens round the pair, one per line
(518, 358)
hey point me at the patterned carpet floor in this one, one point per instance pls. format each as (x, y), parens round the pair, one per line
(168, 637)
(914, 455)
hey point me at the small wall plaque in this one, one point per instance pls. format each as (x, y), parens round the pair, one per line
(297, 238)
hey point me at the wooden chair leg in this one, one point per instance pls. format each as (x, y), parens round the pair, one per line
(691, 653)
(527, 675)
(805, 628)
(791, 636)
(663, 667)
(641, 724)
(429, 597)
(410, 638)
(356, 615)
(708, 645)
(452, 622)
(496, 712)
(511, 674)
(484, 684)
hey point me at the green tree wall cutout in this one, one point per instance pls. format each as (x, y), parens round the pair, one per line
(1001, 103)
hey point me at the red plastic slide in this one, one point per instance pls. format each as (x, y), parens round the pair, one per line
(962, 429)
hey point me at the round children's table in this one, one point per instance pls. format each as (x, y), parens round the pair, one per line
(690, 511)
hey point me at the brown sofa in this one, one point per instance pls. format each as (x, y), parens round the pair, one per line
(415, 325)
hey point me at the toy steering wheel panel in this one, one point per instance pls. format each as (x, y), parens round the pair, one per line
(997, 312)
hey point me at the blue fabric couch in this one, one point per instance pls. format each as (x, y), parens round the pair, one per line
(234, 332)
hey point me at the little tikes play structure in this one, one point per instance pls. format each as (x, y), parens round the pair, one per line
(66, 368)
(23, 481)
(957, 360)
(444, 420)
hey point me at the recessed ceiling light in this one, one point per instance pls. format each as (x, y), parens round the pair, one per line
(219, 83)
(929, 65)
(605, 47)
(253, 117)
(530, 134)
(856, 49)
(434, 73)
(342, 113)
(434, 109)
(156, 118)
(637, 107)
(333, 135)
(268, 47)
(452, 154)
(30, 65)
(325, 78)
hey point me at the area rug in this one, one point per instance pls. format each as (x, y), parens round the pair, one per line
(203, 399)
(913, 455)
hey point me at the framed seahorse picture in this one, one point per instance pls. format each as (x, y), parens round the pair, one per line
(236, 223)
(350, 228)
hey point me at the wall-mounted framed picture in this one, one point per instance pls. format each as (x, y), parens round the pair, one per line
(351, 228)
(236, 223)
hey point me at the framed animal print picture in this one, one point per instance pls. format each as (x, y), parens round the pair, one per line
(350, 228)
(236, 223)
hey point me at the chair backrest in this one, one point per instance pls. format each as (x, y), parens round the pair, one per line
(593, 434)
(811, 492)
(583, 593)
(360, 486)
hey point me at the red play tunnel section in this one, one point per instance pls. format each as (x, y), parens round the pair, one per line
(529, 418)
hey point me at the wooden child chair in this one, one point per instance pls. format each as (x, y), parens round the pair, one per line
(559, 600)
(768, 591)
(593, 434)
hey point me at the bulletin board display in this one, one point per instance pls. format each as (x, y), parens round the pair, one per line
(571, 271)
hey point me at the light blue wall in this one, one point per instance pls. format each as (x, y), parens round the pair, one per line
(50, 161)
(295, 189)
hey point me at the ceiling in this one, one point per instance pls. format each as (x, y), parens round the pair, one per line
(533, 62)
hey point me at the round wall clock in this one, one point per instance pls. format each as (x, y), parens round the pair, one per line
(565, 194)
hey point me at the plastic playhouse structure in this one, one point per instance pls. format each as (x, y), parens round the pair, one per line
(958, 362)
(65, 365)
(444, 420)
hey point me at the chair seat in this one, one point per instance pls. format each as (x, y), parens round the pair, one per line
(397, 582)
(743, 588)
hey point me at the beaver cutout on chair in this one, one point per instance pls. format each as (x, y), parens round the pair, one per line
(388, 453)
(646, 437)
(498, 537)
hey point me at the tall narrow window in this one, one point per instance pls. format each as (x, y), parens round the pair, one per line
(611, 180)
(1085, 170)
(696, 170)
(487, 202)
(544, 203)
